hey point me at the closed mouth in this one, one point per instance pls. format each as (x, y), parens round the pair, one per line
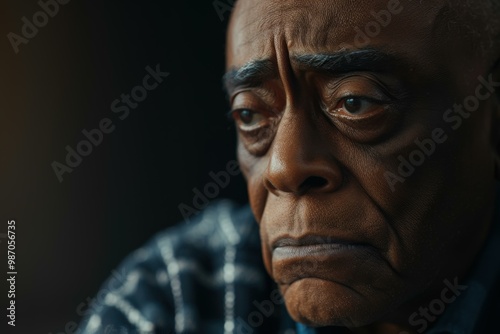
(314, 240)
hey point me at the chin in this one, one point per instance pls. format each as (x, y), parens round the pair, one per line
(319, 303)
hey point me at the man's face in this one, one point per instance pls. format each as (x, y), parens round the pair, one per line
(329, 98)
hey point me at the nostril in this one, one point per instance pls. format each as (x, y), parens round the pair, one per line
(313, 182)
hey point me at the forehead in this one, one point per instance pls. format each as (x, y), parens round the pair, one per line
(309, 27)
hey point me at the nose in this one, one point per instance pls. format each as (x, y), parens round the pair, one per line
(301, 159)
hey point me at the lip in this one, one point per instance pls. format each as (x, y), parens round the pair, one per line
(302, 251)
(313, 242)
(323, 257)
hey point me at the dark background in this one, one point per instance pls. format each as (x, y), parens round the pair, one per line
(71, 235)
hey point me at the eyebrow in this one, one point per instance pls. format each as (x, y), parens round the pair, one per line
(254, 73)
(348, 61)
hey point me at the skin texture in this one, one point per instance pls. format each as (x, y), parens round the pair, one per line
(315, 160)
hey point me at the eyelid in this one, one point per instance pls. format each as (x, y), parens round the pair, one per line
(234, 94)
(364, 98)
(376, 108)
(254, 103)
(373, 96)
(362, 81)
(247, 100)
(251, 128)
(260, 93)
(233, 111)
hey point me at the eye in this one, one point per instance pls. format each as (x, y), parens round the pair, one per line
(354, 105)
(247, 119)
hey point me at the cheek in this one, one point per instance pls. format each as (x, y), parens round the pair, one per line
(244, 159)
(257, 194)
(253, 169)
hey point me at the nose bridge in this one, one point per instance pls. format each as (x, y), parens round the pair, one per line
(300, 159)
(294, 142)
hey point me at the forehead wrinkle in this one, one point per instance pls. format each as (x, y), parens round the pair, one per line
(266, 17)
(302, 23)
(316, 26)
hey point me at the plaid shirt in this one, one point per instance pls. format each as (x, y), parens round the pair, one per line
(207, 276)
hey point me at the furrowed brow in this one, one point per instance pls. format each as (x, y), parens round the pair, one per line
(252, 74)
(347, 61)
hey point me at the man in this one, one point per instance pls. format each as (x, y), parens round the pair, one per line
(369, 137)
